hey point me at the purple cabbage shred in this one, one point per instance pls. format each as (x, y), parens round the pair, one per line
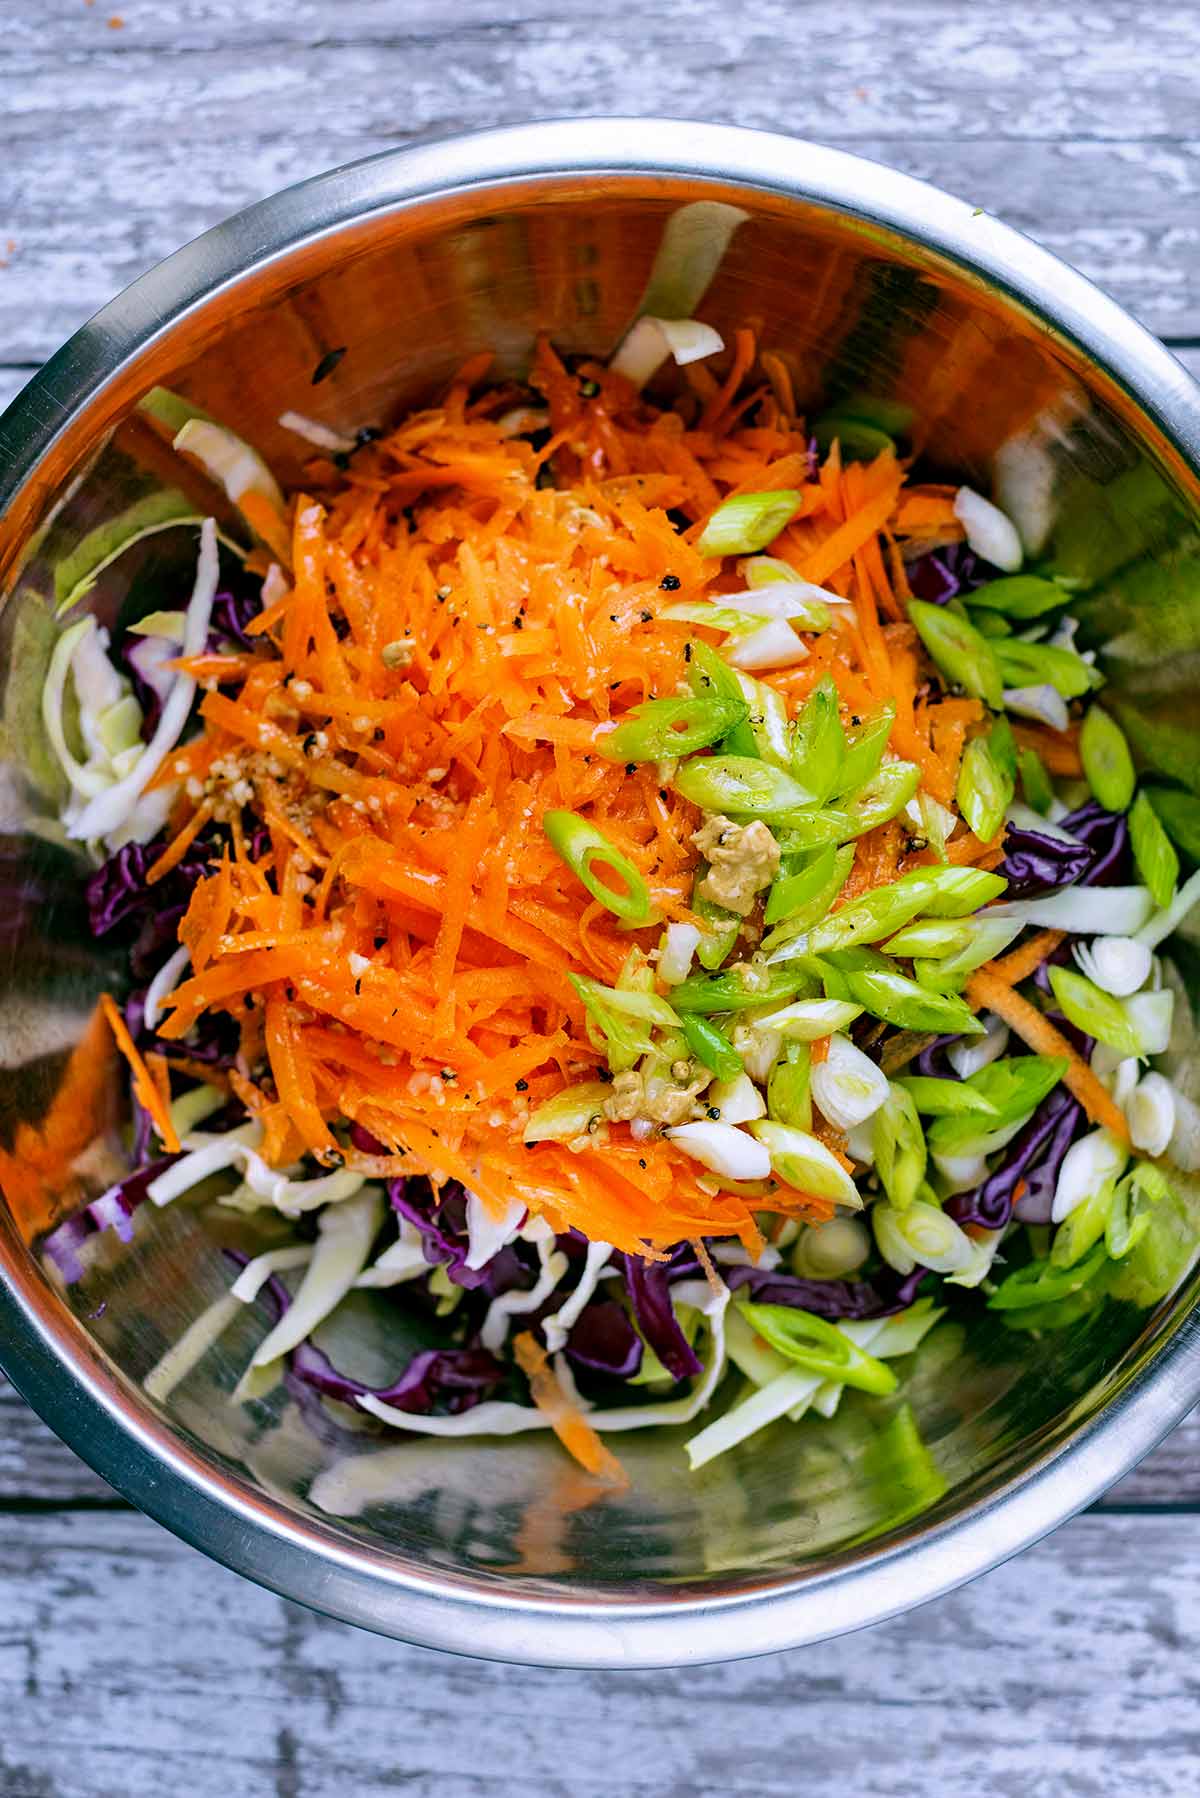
(886, 1293)
(446, 1380)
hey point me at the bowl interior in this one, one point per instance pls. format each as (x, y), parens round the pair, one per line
(407, 293)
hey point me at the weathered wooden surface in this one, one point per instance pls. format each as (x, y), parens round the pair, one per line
(129, 1666)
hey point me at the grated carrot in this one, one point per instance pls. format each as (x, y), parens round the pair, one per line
(145, 1090)
(1026, 960)
(566, 1420)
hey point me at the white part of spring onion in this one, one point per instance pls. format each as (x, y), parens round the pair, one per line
(860, 1144)
(164, 982)
(738, 1100)
(649, 342)
(831, 1251)
(1043, 703)
(1116, 964)
(784, 599)
(108, 810)
(559, 1326)
(975, 1052)
(759, 1046)
(960, 1172)
(191, 1348)
(488, 1234)
(1150, 1111)
(256, 1273)
(983, 1252)
(1088, 911)
(920, 1233)
(314, 432)
(723, 1148)
(680, 943)
(238, 468)
(1151, 1015)
(773, 645)
(990, 533)
(553, 1264)
(848, 1087)
(1088, 1164)
(1164, 922)
(345, 1235)
(1123, 1079)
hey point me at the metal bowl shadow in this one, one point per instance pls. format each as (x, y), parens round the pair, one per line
(867, 282)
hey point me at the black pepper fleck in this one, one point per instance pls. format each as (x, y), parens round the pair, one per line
(670, 583)
(631, 767)
(522, 1086)
(326, 365)
(714, 1111)
(646, 617)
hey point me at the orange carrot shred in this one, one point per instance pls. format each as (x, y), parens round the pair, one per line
(566, 1420)
(145, 1090)
(986, 992)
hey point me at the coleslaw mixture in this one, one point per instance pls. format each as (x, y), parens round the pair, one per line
(653, 893)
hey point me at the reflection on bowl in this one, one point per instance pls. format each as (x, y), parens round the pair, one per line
(863, 281)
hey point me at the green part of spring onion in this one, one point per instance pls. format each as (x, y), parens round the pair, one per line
(813, 1343)
(767, 728)
(887, 793)
(711, 1046)
(1107, 763)
(740, 785)
(865, 744)
(748, 522)
(1019, 596)
(1044, 1282)
(818, 742)
(589, 855)
(1044, 664)
(948, 973)
(987, 780)
(957, 892)
(800, 899)
(932, 937)
(898, 1000)
(1013, 1087)
(663, 728)
(898, 1145)
(739, 989)
(1086, 1226)
(1097, 1012)
(1180, 814)
(711, 677)
(720, 927)
(789, 1084)
(1035, 782)
(990, 624)
(945, 1098)
(1153, 851)
(573, 1112)
(806, 831)
(803, 1161)
(964, 658)
(622, 1022)
(875, 915)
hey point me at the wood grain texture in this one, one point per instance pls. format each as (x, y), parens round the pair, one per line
(129, 1667)
(117, 145)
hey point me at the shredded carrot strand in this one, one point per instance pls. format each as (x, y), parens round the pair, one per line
(988, 993)
(568, 1423)
(1026, 960)
(145, 1090)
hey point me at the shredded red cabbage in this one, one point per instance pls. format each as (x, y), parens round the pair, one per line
(883, 1295)
(444, 1380)
(441, 1217)
(113, 1210)
(942, 574)
(648, 1284)
(1034, 1156)
(603, 1340)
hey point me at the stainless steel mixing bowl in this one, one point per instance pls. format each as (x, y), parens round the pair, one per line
(867, 281)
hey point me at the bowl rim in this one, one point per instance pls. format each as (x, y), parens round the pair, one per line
(98, 1414)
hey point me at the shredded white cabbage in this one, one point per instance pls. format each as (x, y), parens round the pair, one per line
(345, 1235)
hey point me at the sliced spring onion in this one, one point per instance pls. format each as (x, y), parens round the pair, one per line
(848, 1087)
(569, 1114)
(990, 938)
(1020, 596)
(990, 532)
(1116, 964)
(1151, 1112)
(967, 1058)
(741, 785)
(1163, 923)
(1095, 1161)
(831, 1251)
(875, 915)
(662, 728)
(799, 900)
(1035, 664)
(711, 1046)
(887, 793)
(1035, 782)
(622, 1021)
(1044, 704)
(737, 1099)
(789, 1087)
(742, 988)
(819, 1346)
(748, 522)
(964, 657)
(589, 854)
(806, 1020)
(722, 1147)
(679, 945)
(957, 892)
(1180, 814)
(818, 742)
(1140, 1025)
(898, 1147)
(773, 645)
(799, 602)
(802, 1161)
(898, 1000)
(1042, 1283)
(945, 1098)
(1107, 763)
(649, 341)
(1153, 851)
(920, 1234)
(865, 744)
(768, 725)
(1014, 1088)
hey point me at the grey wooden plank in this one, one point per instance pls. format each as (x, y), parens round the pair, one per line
(1071, 1671)
(126, 143)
